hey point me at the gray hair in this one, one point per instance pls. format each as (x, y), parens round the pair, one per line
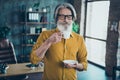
(65, 5)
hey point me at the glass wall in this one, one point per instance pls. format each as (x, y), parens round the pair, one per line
(96, 30)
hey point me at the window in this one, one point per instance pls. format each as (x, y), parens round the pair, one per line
(96, 30)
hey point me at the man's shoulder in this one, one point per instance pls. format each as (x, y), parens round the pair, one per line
(76, 35)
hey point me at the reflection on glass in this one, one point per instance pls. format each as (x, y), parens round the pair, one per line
(97, 19)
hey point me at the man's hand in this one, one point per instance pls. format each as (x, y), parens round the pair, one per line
(54, 38)
(70, 65)
(76, 66)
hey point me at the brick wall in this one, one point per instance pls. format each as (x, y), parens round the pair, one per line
(112, 37)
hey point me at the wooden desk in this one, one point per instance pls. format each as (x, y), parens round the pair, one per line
(19, 69)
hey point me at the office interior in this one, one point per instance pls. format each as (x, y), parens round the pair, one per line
(98, 21)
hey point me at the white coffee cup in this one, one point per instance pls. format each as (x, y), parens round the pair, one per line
(66, 35)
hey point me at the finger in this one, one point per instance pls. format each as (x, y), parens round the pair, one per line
(67, 66)
(55, 34)
(59, 34)
(60, 38)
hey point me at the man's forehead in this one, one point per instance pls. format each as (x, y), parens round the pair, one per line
(65, 10)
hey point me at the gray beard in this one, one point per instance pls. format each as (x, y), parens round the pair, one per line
(65, 30)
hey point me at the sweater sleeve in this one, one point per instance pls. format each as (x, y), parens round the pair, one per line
(33, 57)
(82, 53)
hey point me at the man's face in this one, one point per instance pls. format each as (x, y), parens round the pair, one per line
(64, 22)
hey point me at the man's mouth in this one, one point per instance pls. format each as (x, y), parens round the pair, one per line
(64, 23)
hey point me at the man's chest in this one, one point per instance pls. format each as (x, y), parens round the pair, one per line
(66, 49)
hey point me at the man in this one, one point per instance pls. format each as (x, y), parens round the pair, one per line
(55, 46)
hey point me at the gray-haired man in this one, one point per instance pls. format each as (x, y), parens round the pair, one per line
(55, 46)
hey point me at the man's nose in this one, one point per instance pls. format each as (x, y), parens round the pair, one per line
(65, 19)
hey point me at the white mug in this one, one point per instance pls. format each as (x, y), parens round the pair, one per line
(66, 35)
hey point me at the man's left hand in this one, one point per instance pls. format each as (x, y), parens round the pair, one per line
(70, 65)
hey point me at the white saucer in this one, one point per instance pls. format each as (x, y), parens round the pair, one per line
(70, 61)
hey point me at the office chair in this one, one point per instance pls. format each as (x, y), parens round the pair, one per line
(7, 55)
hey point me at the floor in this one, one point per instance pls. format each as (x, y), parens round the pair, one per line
(93, 73)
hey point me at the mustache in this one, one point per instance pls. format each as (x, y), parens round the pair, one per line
(64, 27)
(64, 23)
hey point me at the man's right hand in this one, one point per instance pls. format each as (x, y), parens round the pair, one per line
(55, 37)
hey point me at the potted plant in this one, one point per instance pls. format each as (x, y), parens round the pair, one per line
(36, 5)
(4, 31)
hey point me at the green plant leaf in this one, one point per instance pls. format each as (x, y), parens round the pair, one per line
(75, 27)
